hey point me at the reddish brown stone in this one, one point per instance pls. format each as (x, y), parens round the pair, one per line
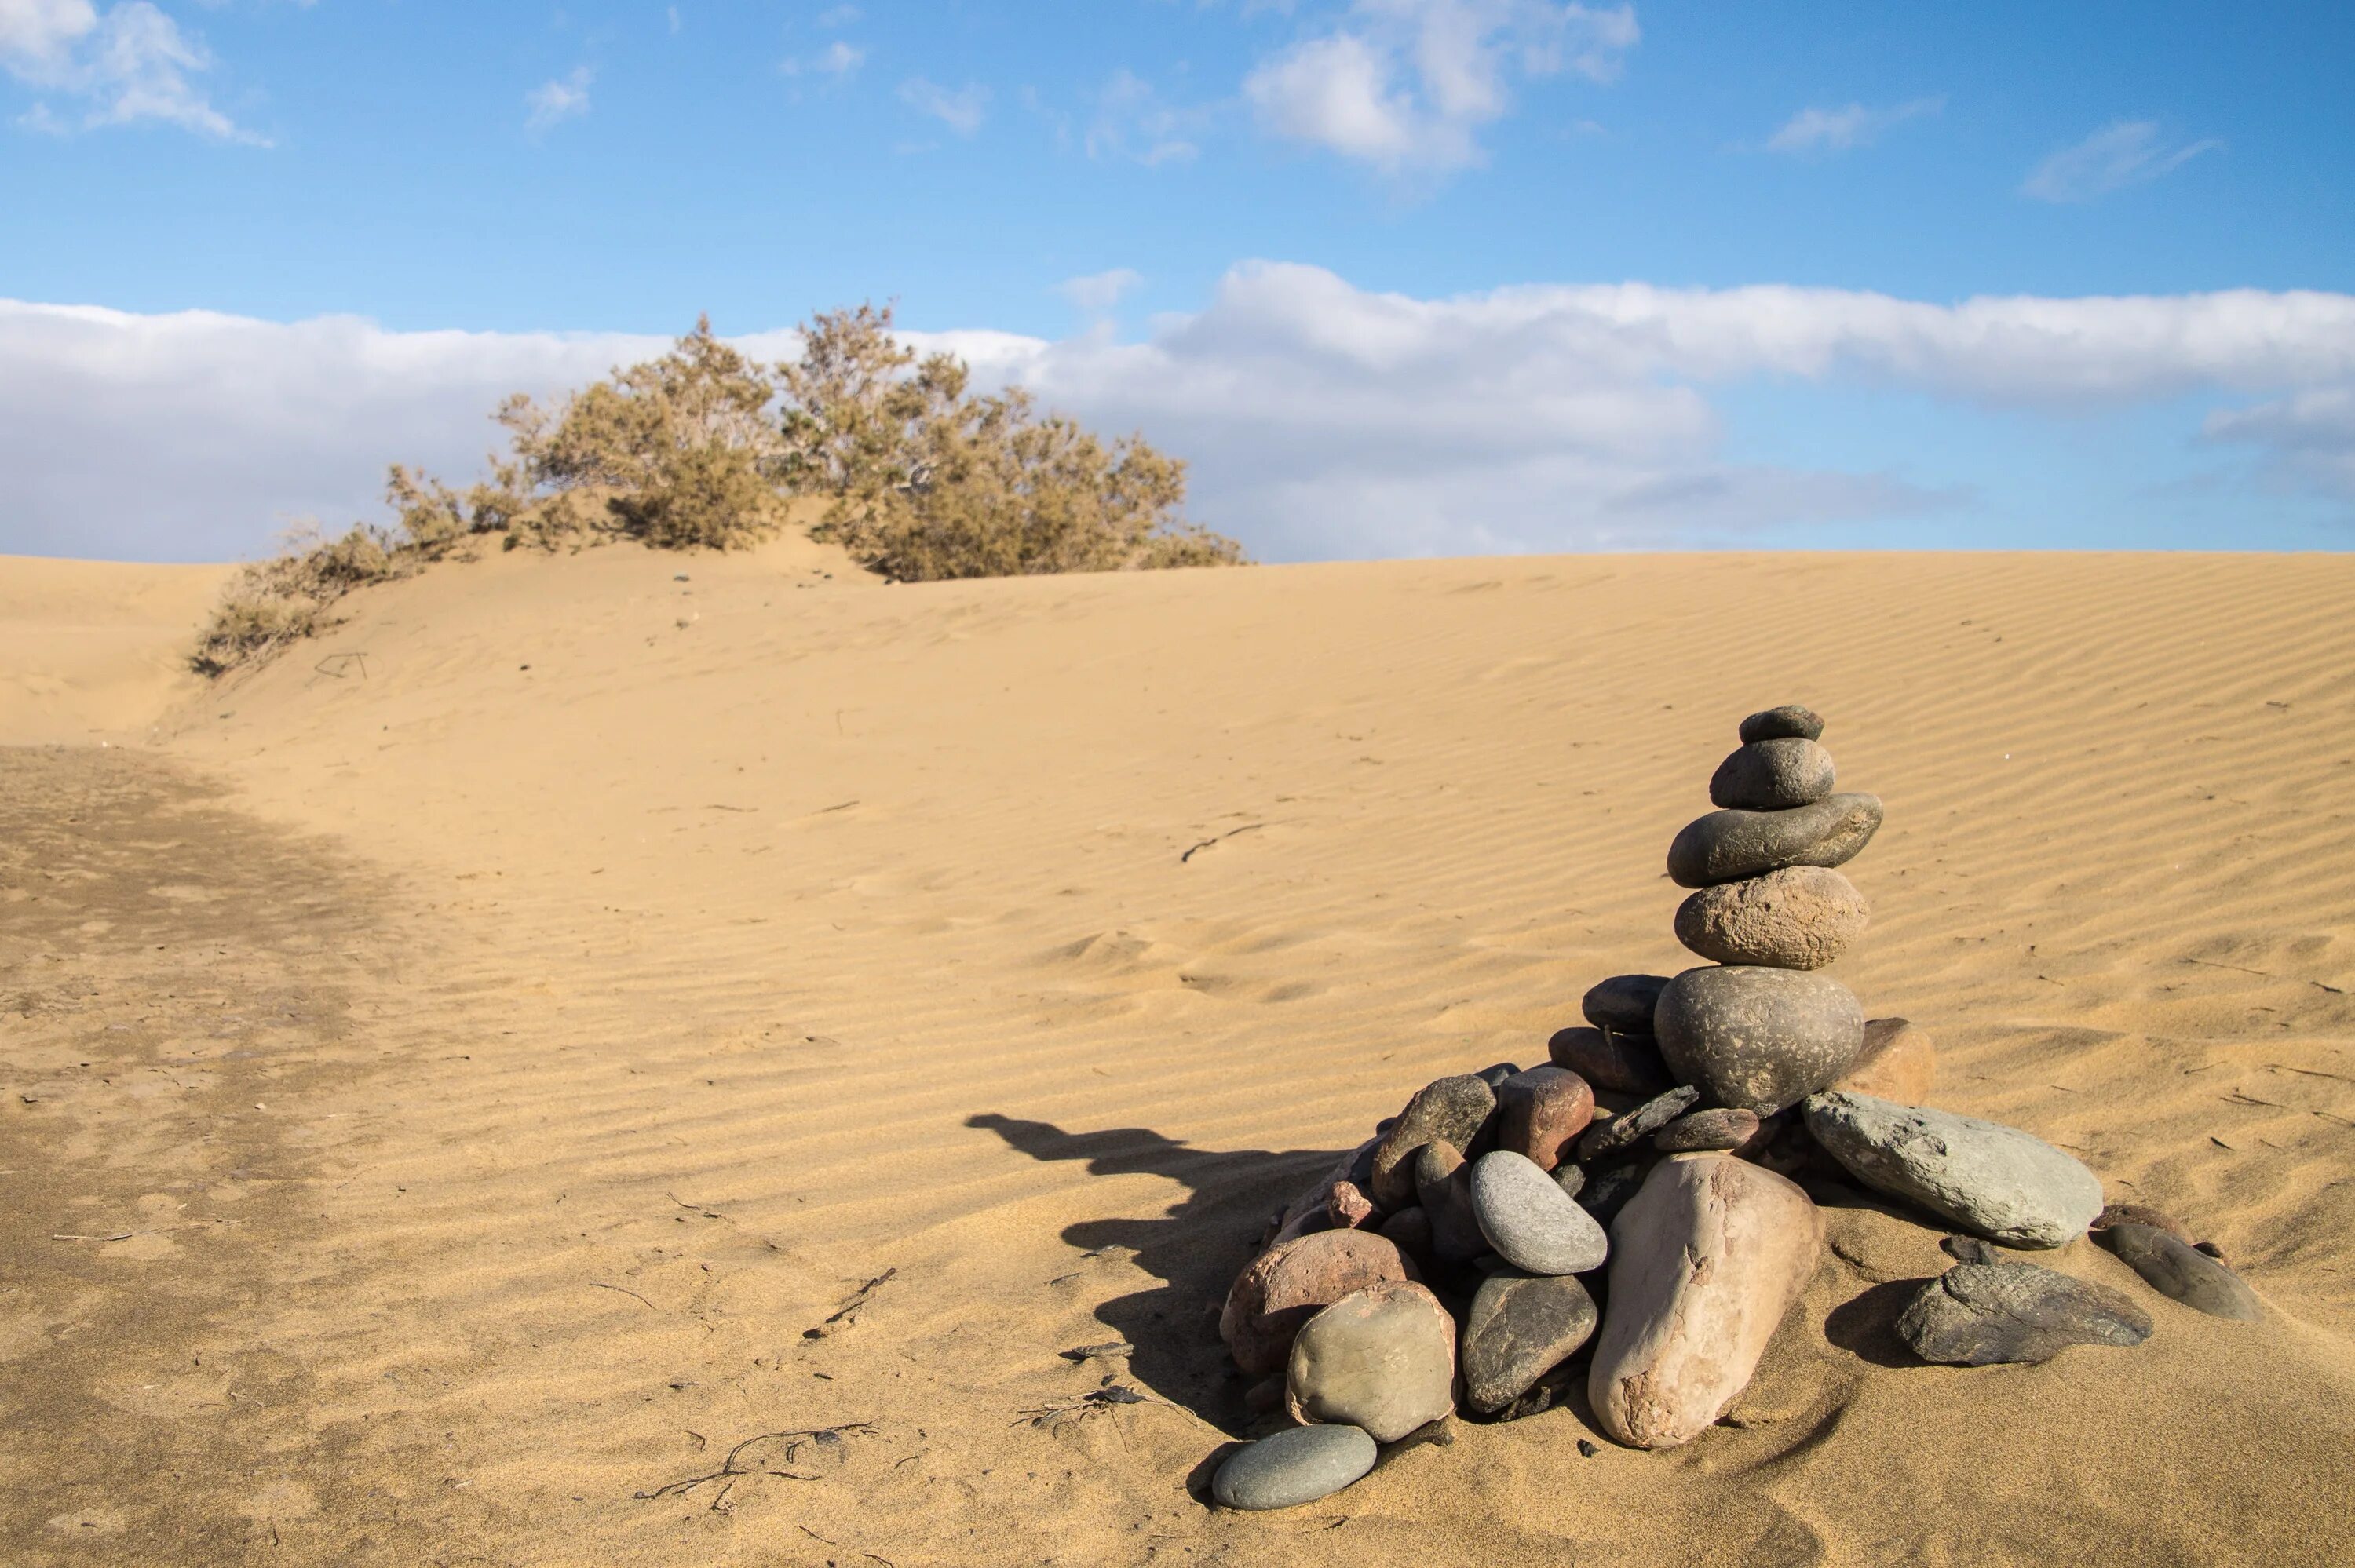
(1287, 1285)
(1348, 1208)
(1540, 1113)
(1897, 1063)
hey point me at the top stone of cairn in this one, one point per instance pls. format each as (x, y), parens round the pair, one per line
(1789, 722)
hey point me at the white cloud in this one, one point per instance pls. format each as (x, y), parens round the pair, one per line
(1405, 84)
(839, 58)
(962, 110)
(1837, 129)
(1319, 419)
(129, 64)
(553, 102)
(2124, 152)
(1098, 292)
(1132, 121)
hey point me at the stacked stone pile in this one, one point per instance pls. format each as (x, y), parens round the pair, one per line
(1632, 1212)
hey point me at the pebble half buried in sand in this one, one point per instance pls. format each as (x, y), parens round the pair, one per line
(1383, 1359)
(1977, 1315)
(1992, 1180)
(2176, 1269)
(1773, 776)
(1294, 1467)
(1800, 918)
(1726, 846)
(1705, 1260)
(1758, 1038)
(1533, 1224)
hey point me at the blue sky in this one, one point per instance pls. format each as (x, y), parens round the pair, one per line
(1092, 178)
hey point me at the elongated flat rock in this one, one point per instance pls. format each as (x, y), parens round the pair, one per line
(1991, 1179)
(1295, 1467)
(1705, 1260)
(1383, 1359)
(1521, 1327)
(1800, 918)
(1726, 846)
(2170, 1267)
(1761, 1039)
(1976, 1315)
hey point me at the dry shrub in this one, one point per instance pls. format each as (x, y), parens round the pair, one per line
(702, 447)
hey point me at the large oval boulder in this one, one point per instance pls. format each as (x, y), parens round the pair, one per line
(1287, 1285)
(1773, 776)
(1383, 1359)
(1897, 1063)
(1540, 1113)
(1726, 846)
(1452, 1109)
(1991, 1179)
(1532, 1223)
(1758, 1038)
(1521, 1327)
(1294, 1467)
(1976, 1315)
(1705, 1260)
(2174, 1267)
(1800, 918)
(1608, 1059)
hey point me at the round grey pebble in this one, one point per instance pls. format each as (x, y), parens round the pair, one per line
(1773, 776)
(1800, 918)
(1726, 846)
(1623, 1002)
(1294, 1467)
(1533, 1224)
(1788, 722)
(1759, 1038)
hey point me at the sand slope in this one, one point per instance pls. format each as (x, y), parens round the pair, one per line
(93, 649)
(694, 952)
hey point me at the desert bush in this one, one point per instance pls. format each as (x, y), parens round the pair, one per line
(702, 447)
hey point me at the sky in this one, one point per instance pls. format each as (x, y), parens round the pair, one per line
(1396, 277)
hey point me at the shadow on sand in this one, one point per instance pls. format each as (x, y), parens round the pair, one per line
(1195, 1250)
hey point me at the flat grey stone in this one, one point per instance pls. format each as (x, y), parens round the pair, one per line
(1726, 846)
(1295, 1466)
(1990, 1180)
(1758, 1038)
(1773, 776)
(1623, 1002)
(1800, 918)
(1977, 1314)
(2185, 1273)
(1789, 720)
(1521, 1327)
(1620, 1133)
(1533, 1224)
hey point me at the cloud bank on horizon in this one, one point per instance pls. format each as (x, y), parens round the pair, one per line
(1322, 419)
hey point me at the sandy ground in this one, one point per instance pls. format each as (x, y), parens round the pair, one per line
(583, 1066)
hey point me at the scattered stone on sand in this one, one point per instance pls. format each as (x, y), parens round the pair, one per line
(2143, 1214)
(1540, 1113)
(1789, 721)
(2172, 1268)
(1897, 1063)
(1800, 918)
(1758, 1038)
(1994, 1180)
(1623, 1002)
(1296, 1467)
(1700, 1131)
(1521, 1326)
(1969, 1249)
(1453, 1109)
(1726, 846)
(1608, 1191)
(1287, 1285)
(1383, 1359)
(1705, 1260)
(1347, 1207)
(1608, 1060)
(1605, 1139)
(1977, 1314)
(1533, 1224)
(1773, 776)
(1443, 1184)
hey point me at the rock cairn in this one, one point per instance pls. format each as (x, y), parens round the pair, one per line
(1633, 1211)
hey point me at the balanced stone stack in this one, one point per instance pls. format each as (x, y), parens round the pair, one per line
(1633, 1202)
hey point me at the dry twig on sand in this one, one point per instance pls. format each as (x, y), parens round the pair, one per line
(730, 1468)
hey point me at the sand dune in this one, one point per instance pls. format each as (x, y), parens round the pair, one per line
(506, 1034)
(95, 649)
